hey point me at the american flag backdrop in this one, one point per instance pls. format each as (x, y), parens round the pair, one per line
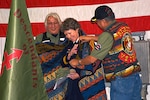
(136, 13)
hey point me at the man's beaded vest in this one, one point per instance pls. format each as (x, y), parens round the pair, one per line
(121, 59)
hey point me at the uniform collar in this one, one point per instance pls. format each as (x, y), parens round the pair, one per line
(113, 22)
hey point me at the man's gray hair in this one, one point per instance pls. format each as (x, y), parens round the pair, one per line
(55, 15)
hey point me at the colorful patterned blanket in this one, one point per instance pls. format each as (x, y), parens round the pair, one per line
(92, 85)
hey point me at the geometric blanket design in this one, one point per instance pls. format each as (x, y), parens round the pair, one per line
(92, 86)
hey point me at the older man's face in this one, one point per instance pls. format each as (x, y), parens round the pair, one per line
(53, 25)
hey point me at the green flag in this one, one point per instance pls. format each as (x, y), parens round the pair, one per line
(20, 74)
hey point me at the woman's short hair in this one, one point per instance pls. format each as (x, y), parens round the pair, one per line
(70, 23)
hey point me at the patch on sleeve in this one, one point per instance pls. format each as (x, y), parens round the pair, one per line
(97, 46)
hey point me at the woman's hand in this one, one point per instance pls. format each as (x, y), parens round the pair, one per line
(73, 51)
(73, 74)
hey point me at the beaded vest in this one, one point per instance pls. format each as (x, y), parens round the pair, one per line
(121, 59)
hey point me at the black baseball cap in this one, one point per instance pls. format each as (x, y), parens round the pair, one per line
(102, 12)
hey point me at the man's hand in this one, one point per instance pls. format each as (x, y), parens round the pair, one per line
(74, 63)
(87, 38)
(84, 39)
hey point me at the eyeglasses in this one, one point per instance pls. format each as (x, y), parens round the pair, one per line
(53, 23)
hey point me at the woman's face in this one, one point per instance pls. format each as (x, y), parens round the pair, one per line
(72, 34)
(53, 26)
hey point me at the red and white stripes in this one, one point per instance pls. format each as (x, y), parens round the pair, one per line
(135, 13)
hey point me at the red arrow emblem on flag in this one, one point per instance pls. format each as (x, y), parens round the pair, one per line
(16, 54)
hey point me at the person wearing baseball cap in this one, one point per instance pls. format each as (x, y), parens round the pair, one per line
(114, 47)
(102, 12)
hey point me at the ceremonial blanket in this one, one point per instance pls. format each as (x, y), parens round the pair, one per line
(91, 85)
